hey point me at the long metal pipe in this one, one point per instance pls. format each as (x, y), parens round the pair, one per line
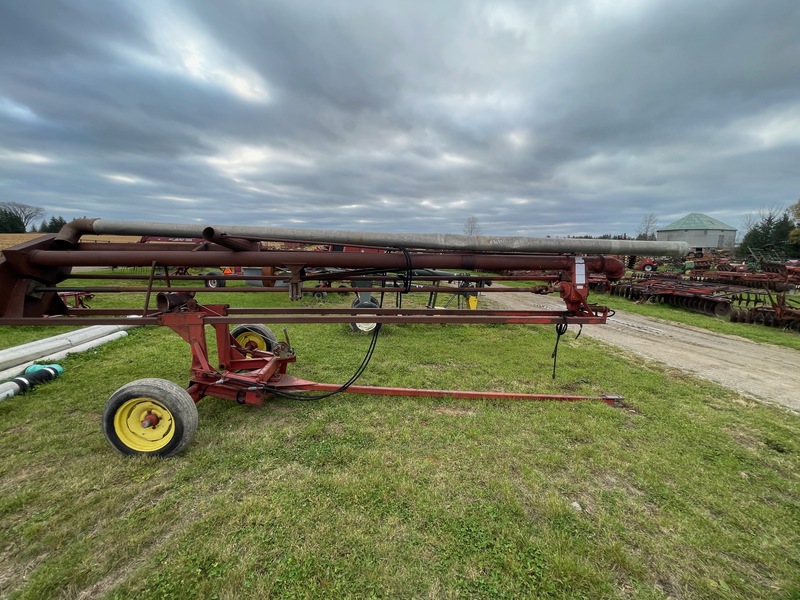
(431, 241)
(351, 260)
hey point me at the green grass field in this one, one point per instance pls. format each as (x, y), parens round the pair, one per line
(686, 491)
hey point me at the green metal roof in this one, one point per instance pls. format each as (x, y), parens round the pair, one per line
(696, 221)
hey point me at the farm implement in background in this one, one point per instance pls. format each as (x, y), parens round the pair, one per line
(711, 299)
(740, 304)
(159, 417)
(765, 270)
(772, 280)
(779, 310)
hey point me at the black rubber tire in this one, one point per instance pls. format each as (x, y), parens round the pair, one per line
(178, 417)
(648, 268)
(372, 300)
(261, 335)
(364, 327)
(211, 280)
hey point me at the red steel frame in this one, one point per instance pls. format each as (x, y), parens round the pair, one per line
(30, 274)
(247, 375)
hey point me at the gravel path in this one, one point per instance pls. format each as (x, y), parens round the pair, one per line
(761, 371)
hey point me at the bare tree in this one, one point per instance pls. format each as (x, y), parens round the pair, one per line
(10, 223)
(472, 227)
(27, 214)
(765, 214)
(749, 222)
(794, 209)
(648, 227)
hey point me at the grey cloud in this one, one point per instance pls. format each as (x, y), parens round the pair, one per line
(538, 118)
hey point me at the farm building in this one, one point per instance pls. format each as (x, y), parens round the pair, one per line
(700, 231)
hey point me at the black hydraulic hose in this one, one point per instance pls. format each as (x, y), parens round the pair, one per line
(409, 269)
(342, 388)
(561, 329)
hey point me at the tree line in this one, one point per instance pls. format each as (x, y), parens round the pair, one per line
(774, 228)
(16, 217)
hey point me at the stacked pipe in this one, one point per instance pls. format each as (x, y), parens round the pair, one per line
(14, 361)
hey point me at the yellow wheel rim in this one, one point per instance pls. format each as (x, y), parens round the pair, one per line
(128, 425)
(255, 340)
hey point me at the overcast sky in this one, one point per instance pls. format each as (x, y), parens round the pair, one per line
(538, 117)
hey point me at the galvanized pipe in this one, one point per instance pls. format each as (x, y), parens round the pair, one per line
(431, 241)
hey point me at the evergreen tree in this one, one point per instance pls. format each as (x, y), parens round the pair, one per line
(11, 222)
(780, 232)
(54, 225)
(757, 236)
(27, 213)
(776, 230)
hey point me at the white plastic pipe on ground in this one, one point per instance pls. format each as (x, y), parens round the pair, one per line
(88, 345)
(11, 357)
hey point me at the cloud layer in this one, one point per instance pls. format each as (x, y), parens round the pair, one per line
(538, 118)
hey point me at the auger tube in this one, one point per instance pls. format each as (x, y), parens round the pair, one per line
(71, 233)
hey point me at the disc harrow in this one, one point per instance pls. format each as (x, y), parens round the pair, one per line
(739, 304)
(773, 280)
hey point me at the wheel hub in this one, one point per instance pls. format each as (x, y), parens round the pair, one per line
(144, 425)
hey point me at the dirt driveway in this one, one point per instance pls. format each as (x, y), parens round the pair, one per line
(761, 371)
